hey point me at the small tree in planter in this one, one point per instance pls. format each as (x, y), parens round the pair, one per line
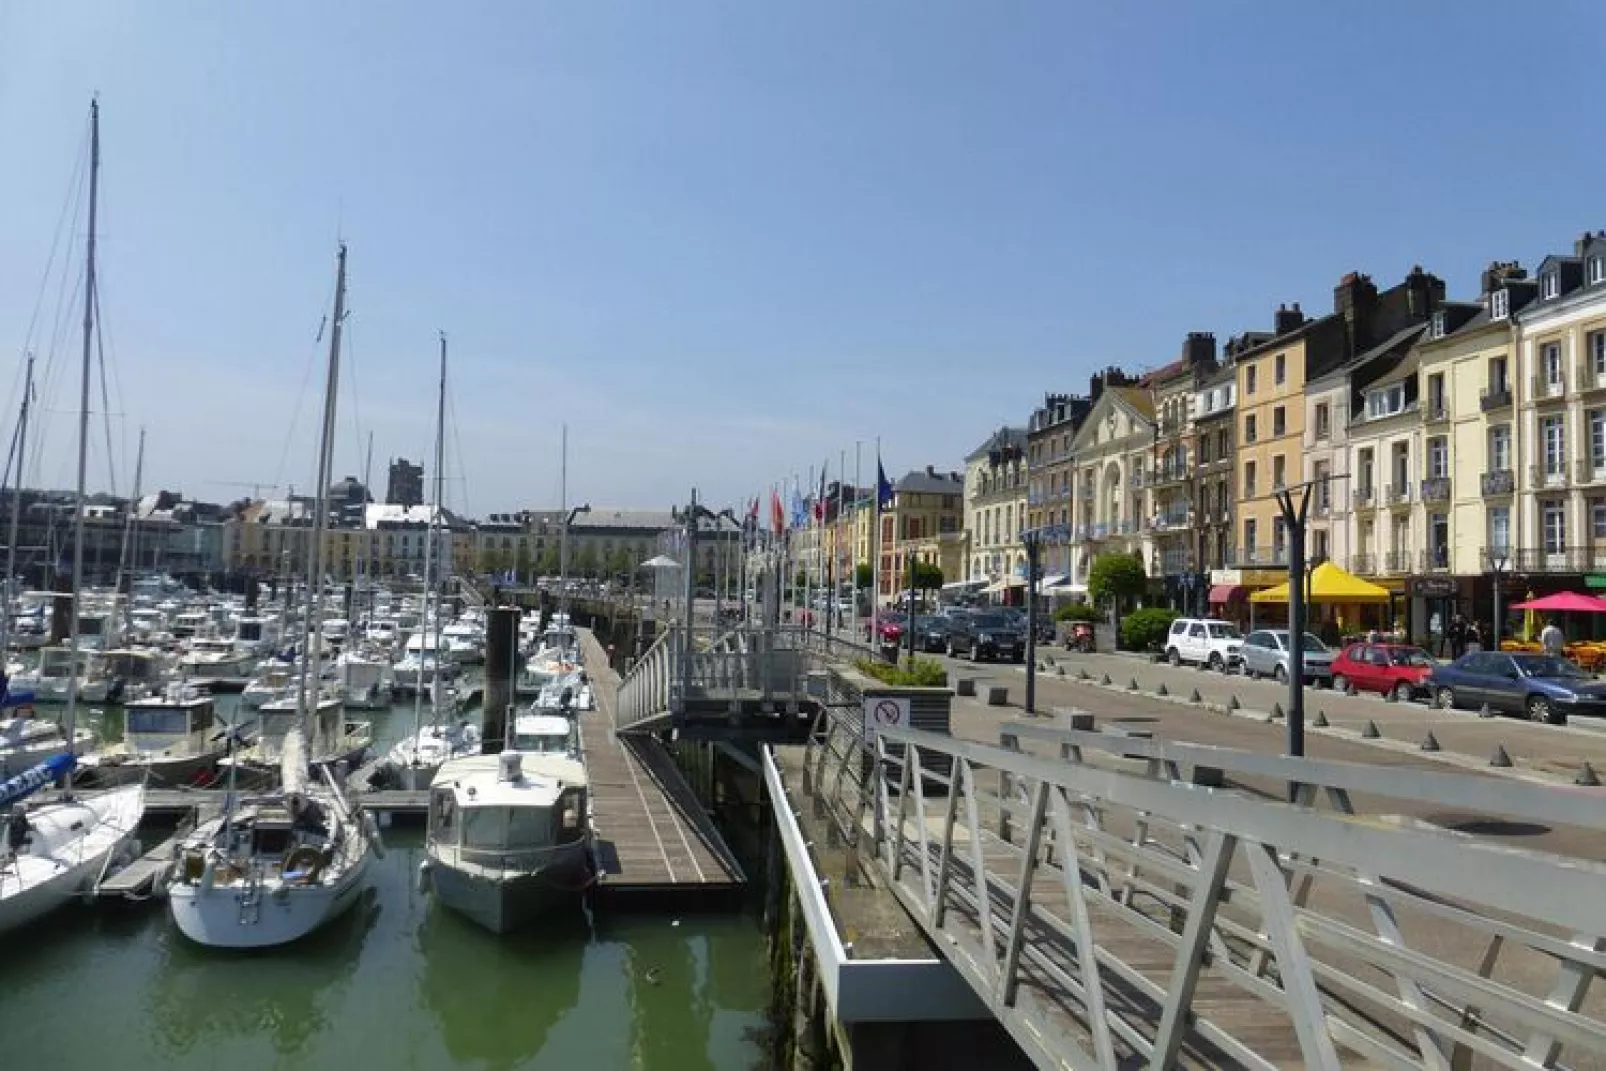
(1117, 578)
(1146, 630)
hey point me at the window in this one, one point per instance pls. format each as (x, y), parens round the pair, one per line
(1223, 444)
(1204, 450)
(1279, 421)
(1319, 543)
(1365, 470)
(1249, 535)
(1437, 328)
(1597, 270)
(1385, 401)
(1597, 519)
(1279, 537)
(1597, 438)
(1550, 362)
(1324, 421)
(1438, 457)
(1500, 448)
(1324, 490)
(1553, 527)
(1366, 537)
(1500, 528)
(1249, 379)
(1436, 397)
(1400, 537)
(1401, 457)
(1498, 382)
(1439, 539)
(1499, 305)
(1249, 479)
(1250, 434)
(1549, 285)
(1553, 434)
(1278, 473)
(1595, 346)
(1280, 366)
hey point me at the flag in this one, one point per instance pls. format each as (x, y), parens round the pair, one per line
(819, 503)
(883, 486)
(777, 516)
(800, 509)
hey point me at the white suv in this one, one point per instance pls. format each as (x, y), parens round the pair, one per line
(1204, 641)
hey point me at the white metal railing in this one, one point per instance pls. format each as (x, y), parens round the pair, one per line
(1113, 919)
(726, 666)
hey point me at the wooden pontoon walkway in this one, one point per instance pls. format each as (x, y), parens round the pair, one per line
(655, 843)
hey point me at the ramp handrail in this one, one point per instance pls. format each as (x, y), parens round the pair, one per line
(1126, 919)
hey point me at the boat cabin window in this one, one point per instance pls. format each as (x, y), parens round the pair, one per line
(91, 626)
(164, 721)
(541, 743)
(502, 828)
(250, 630)
(443, 814)
(272, 839)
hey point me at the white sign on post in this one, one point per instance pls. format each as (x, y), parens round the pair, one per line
(884, 712)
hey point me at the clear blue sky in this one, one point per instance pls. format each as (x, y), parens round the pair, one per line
(726, 240)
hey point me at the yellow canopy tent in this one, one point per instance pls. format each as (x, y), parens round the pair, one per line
(1329, 583)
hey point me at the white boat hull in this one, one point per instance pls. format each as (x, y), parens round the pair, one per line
(14, 760)
(33, 885)
(271, 914)
(506, 901)
(164, 771)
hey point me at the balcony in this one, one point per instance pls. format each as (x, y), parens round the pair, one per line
(1438, 411)
(1363, 564)
(1553, 560)
(1589, 470)
(1436, 489)
(1545, 387)
(1126, 527)
(1497, 482)
(1399, 494)
(1171, 522)
(1543, 476)
(1365, 497)
(1495, 397)
(1588, 377)
(1396, 562)
(1034, 498)
(1096, 532)
(1174, 562)
(1170, 474)
(1262, 557)
(1436, 560)
(1084, 493)
(1170, 429)
(1322, 507)
(1139, 479)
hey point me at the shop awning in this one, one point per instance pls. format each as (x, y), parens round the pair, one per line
(1221, 594)
(1329, 583)
(963, 585)
(1004, 584)
(1053, 580)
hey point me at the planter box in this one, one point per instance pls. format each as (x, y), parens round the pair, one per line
(930, 709)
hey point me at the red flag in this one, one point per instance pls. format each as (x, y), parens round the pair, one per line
(777, 514)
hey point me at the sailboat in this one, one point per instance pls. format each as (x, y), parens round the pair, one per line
(54, 850)
(417, 756)
(274, 867)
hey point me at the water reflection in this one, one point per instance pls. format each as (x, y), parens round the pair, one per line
(496, 998)
(281, 996)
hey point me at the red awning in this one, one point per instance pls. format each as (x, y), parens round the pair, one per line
(1225, 593)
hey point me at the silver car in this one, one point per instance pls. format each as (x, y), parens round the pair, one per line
(1266, 653)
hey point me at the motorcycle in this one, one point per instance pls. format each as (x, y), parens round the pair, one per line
(1081, 638)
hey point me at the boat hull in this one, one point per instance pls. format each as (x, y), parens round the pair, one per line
(504, 902)
(234, 917)
(34, 886)
(166, 771)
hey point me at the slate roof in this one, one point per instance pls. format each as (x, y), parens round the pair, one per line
(920, 482)
(1138, 398)
(997, 440)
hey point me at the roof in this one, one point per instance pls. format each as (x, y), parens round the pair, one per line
(612, 517)
(997, 440)
(376, 514)
(1138, 398)
(926, 482)
(1395, 342)
(475, 780)
(1164, 372)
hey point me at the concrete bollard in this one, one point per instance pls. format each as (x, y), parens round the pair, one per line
(1429, 742)
(1587, 776)
(1233, 704)
(1162, 691)
(1370, 731)
(997, 695)
(965, 686)
(1321, 720)
(1500, 758)
(1195, 698)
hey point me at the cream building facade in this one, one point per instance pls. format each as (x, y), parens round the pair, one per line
(1111, 453)
(995, 509)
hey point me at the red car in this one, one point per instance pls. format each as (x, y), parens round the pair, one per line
(1396, 669)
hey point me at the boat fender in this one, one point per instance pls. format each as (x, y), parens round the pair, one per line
(424, 869)
(303, 865)
(370, 829)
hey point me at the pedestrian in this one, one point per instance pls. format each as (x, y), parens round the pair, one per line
(1552, 639)
(1458, 636)
(1474, 641)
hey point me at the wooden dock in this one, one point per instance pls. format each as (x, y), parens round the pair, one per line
(655, 843)
(147, 876)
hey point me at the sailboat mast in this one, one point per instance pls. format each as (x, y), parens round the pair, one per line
(320, 520)
(130, 535)
(563, 506)
(16, 506)
(83, 433)
(429, 585)
(435, 529)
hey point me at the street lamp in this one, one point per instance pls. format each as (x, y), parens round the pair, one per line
(1499, 558)
(1190, 581)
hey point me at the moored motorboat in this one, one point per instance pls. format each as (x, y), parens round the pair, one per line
(170, 740)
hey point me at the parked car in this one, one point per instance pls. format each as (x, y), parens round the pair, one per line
(1203, 641)
(980, 636)
(1396, 669)
(1267, 652)
(931, 633)
(1539, 687)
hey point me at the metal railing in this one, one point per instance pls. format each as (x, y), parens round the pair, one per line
(726, 666)
(1497, 482)
(1113, 919)
(1496, 397)
(1436, 489)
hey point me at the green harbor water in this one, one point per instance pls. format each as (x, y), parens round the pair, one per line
(398, 982)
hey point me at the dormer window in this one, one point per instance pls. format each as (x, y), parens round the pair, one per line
(1499, 305)
(1549, 285)
(1437, 328)
(1597, 270)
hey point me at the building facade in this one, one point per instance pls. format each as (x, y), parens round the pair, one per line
(1171, 521)
(924, 522)
(995, 512)
(1111, 451)
(1049, 471)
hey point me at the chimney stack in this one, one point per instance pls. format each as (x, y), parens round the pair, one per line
(1288, 318)
(1199, 350)
(1499, 273)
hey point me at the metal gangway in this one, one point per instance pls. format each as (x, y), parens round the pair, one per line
(1119, 902)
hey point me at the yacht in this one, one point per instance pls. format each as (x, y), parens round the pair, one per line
(171, 740)
(134, 673)
(274, 679)
(419, 665)
(417, 758)
(58, 671)
(365, 680)
(333, 739)
(26, 741)
(464, 641)
(218, 660)
(509, 837)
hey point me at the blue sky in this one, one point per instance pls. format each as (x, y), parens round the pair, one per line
(727, 240)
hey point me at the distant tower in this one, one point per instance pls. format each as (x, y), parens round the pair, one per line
(406, 484)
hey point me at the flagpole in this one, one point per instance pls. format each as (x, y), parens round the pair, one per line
(875, 544)
(836, 532)
(858, 490)
(808, 571)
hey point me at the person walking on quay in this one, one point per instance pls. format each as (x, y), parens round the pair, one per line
(1552, 639)
(1474, 641)
(1457, 635)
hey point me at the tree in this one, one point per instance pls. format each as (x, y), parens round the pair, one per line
(549, 561)
(521, 563)
(620, 562)
(585, 562)
(1116, 577)
(927, 576)
(863, 575)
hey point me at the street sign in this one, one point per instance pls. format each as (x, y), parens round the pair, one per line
(883, 712)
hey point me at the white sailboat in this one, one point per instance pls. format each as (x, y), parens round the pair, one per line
(273, 868)
(54, 850)
(416, 757)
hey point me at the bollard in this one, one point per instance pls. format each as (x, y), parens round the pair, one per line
(1321, 720)
(1233, 704)
(1429, 742)
(965, 686)
(1195, 698)
(1132, 685)
(1370, 731)
(1162, 691)
(1485, 712)
(1277, 712)
(1500, 758)
(1586, 776)
(1105, 680)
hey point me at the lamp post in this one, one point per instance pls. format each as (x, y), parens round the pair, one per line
(1498, 558)
(1033, 554)
(1293, 514)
